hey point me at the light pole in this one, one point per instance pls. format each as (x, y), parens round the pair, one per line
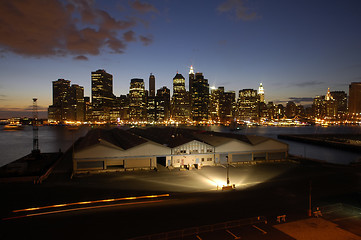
(227, 171)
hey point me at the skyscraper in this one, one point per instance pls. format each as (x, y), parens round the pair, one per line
(137, 100)
(261, 93)
(102, 94)
(76, 100)
(179, 107)
(59, 111)
(354, 104)
(341, 99)
(152, 85)
(190, 79)
(199, 98)
(163, 104)
(248, 100)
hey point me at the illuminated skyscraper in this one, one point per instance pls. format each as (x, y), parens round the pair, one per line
(59, 111)
(76, 100)
(180, 107)
(247, 105)
(137, 100)
(152, 85)
(163, 104)
(341, 99)
(200, 98)
(191, 79)
(102, 94)
(354, 104)
(261, 93)
(222, 105)
(68, 102)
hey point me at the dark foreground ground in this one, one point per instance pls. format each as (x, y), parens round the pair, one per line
(266, 190)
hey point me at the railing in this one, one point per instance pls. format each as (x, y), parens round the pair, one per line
(202, 229)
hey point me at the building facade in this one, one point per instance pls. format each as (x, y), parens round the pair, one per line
(199, 98)
(137, 100)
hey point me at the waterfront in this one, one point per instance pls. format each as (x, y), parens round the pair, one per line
(15, 144)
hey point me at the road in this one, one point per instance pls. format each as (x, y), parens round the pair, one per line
(264, 190)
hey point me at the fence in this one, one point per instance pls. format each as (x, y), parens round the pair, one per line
(202, 229)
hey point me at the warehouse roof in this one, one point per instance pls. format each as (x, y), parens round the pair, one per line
(114, 136)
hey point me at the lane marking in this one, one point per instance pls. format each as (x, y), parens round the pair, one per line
(344, 218)
(81, 208)
(199, 237)
(90, 202)
(263, 231)
(234, 235)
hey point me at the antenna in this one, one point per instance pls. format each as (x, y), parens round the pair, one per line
(35, 127)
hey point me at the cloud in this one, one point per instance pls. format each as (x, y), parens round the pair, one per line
(143, 7)
(308, 84)
(129, 36)
(63, 27)
(146, 40)
(302, 99)
(81, 58)
(237, 8)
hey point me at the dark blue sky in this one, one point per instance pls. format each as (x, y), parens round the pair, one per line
(297, 49)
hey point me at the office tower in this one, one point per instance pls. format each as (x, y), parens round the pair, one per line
(229, 106)
(180, 107)
(354, 104)
(200, 98)
(318, 109)
(261, 93)
(76, 101)
(152, 85)
(163, 104)
(341, 99)
(222, 105)
(88, 109)
(215, 103)
(123, 102)
(152, 109)
(137, 100)
(59, 111)
(102, 94)
(291, 110)
(191, 79)
(248, 100)
(330, 105)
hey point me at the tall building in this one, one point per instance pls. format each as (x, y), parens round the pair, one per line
(200, 98)
(137, 100)
(77, 105)
(163, 104)
(102, 94)
(247, 105)
(191, 79)
(180, 107)
(261, 93)
(68, 102)
(222, 105)
(341, 99)
(291, 109)
(354, 102)
(59, 111)
(152, 85)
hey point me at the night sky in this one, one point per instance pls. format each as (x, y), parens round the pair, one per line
(297, 49)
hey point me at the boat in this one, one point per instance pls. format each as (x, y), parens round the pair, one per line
(13, 126)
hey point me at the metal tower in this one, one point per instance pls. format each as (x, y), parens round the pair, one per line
(35, 127)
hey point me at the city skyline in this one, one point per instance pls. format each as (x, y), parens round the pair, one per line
(297, 50)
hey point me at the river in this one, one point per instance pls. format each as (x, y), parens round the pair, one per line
(15, 144)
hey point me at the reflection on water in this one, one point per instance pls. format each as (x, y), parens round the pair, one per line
(18, 143)
(15, 144)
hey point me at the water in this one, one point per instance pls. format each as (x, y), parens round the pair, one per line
(16, 144)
